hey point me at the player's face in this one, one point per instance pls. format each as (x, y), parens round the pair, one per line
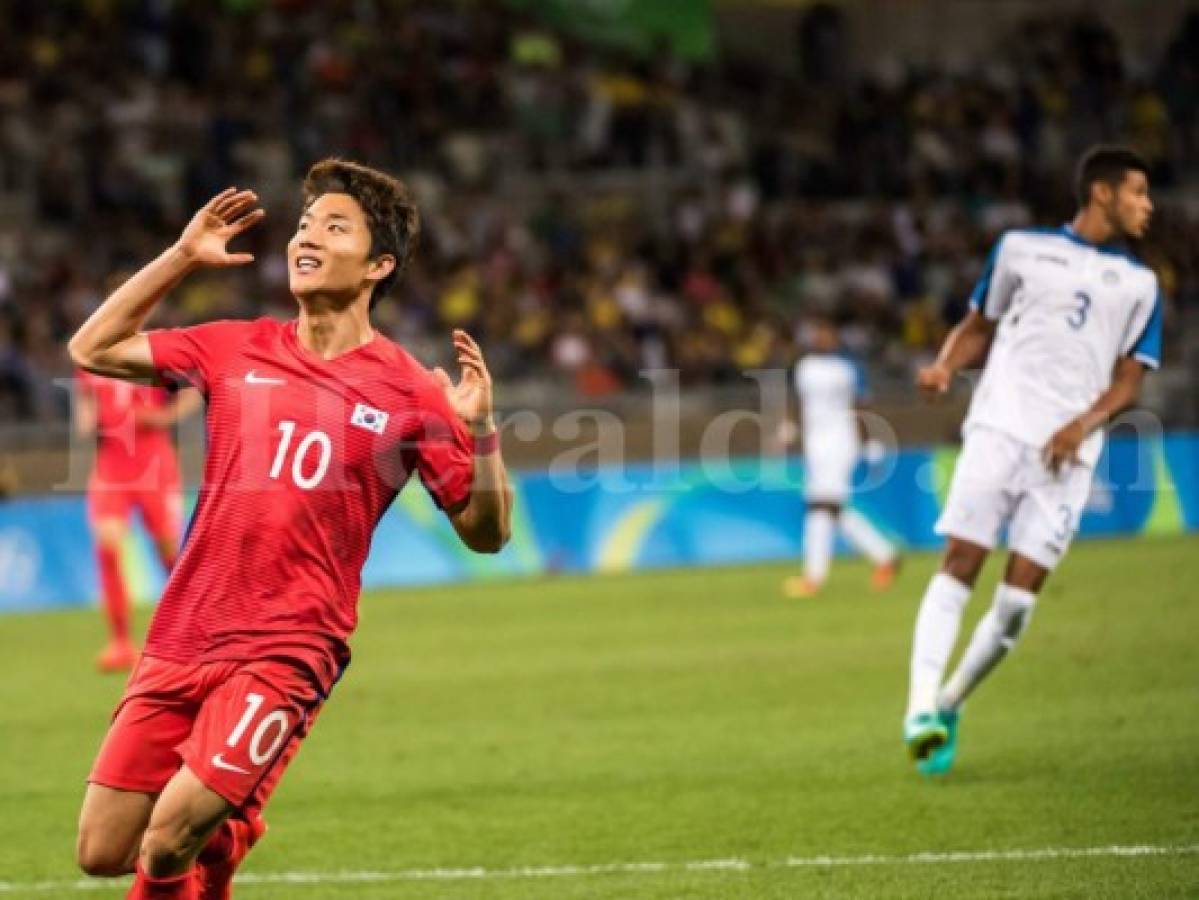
(823, 337)
(330, 252)
(1131, 206)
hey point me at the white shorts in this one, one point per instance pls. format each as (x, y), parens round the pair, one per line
(999, 480)
(828, 477)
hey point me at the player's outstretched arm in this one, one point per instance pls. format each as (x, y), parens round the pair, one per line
(111, 341)
(484, 521)
(1125, 388)
(965, 346)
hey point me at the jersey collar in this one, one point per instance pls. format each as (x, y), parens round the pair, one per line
(1067, 231)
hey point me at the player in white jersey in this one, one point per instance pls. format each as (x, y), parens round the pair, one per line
(829, 385)
(1072, 321)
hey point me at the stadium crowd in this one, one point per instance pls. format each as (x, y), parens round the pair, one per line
(587, 214)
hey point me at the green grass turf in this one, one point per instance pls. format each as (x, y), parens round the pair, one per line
(681, 716)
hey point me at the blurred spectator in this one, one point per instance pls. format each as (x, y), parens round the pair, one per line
(588, 214)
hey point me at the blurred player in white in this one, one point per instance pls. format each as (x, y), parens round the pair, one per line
(829, 385)
(1072, 321)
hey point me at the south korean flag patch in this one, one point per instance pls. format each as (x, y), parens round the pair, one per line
(369, 418)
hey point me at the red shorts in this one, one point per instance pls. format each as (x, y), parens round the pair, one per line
(235, 723)
(161, 510)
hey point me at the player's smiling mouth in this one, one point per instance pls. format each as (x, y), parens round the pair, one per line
(307, 263)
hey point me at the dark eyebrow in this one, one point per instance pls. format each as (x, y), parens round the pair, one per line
(307, 214)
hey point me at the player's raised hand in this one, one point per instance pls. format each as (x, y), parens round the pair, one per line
(933, 381)
(1062, 448)
(470, 398)
(218, 222)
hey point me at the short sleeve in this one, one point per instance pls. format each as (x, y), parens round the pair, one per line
(996, 284)
(1146, 346)
(194, 355)
(444, 452)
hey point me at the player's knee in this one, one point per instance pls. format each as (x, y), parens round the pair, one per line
(99, 858)
(963, 561)
(1025, 574)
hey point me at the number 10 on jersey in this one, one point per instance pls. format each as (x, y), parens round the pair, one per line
(299, 460)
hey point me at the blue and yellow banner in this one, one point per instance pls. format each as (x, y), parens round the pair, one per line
(621, 518)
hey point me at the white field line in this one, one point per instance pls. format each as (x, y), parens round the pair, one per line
(733, 864)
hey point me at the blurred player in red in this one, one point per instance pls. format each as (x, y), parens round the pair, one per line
(314, 425)
(135, 468)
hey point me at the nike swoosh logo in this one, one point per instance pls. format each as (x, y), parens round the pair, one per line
(220, 763)
(251, 378)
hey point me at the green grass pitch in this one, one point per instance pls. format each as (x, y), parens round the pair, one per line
(681, 717)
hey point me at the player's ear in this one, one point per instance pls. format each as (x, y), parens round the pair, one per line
(380, 267)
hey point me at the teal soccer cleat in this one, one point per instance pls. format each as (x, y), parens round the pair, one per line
(940, 760)
(924, 733)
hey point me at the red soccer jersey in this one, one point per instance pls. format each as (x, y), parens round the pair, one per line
(129, 455)
(304, 457)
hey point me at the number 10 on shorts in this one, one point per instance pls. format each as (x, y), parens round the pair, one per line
(272, 728)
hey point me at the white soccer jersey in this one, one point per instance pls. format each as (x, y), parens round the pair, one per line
(1067, 310)
(828, 385)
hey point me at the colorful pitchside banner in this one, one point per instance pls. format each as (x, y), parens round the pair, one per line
(643, 516)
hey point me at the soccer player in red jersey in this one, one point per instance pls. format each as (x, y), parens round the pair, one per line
(314, 425)
(135, 468)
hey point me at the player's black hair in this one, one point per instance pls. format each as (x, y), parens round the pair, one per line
(1106, 163)
(390, 212)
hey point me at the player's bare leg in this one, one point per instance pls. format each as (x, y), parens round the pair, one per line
(936, 632)
(963, 560)
(195, 831)
(183, 820)
(111, 824)
(1023, 573)
(820, 525)
(119, 655)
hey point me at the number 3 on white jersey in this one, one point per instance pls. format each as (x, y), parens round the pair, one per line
(1078, 317)
(313, 438)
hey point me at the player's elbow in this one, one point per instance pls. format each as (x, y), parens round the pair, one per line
(1128, 380)
(482, 526)
(489, 541)
(93, 357)
(81, 352)
(87, 355)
